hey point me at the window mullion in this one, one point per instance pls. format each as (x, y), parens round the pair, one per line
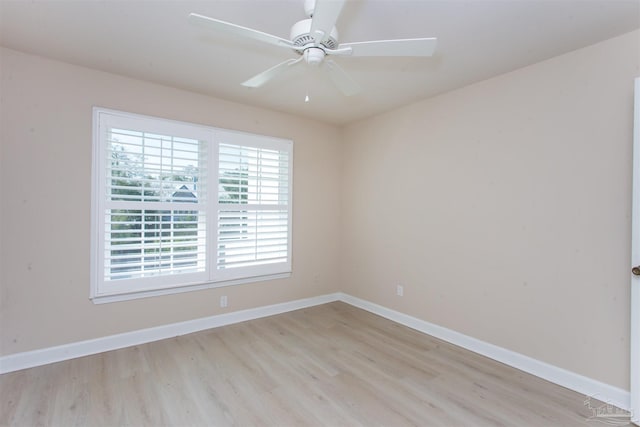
(212, 220)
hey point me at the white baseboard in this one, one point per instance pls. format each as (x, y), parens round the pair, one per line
(584, 385)
(571, 380)
(29, 359)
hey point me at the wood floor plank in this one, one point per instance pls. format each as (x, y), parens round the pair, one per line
(330, 365)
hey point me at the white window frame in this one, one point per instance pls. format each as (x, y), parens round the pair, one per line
(102, 291)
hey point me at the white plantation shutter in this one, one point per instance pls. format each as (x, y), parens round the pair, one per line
(254, 209)
(178, 206)
(153, 204)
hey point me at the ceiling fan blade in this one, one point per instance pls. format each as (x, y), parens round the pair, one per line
(341, 79)
(400, 47)
(271, 73)
(324, 18)
(229, 28)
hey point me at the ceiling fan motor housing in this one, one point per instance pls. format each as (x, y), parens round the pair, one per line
(301, 35)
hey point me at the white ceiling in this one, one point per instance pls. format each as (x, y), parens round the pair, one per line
(152, 40)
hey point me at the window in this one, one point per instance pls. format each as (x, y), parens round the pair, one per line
(178, 206)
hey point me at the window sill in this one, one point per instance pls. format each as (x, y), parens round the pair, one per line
(104, 299)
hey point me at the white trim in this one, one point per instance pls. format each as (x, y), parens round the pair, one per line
(554, 374)
(634, 368)
(103, 299)
(29, 359)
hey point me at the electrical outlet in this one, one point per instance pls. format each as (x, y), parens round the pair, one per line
(400, 290)
(223, 301)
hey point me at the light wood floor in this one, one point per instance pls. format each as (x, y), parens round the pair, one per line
(331, 365)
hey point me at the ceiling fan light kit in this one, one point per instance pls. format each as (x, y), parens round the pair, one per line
(314, 55)
(314, 39)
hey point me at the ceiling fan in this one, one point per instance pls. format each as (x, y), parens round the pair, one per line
(314, 39)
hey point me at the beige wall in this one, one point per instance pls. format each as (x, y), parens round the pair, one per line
(45, 178)
(504, 209)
